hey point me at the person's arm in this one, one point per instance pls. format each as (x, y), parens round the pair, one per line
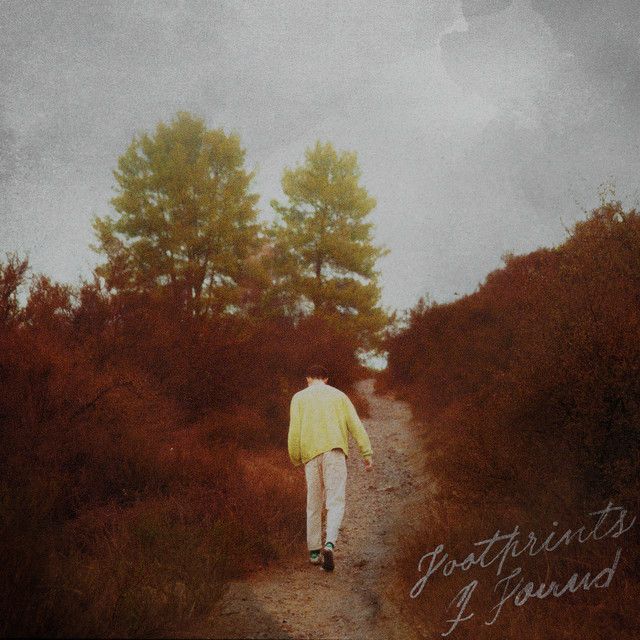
(294, 432)
(358, 431)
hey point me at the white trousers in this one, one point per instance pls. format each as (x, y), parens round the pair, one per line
(326, 476)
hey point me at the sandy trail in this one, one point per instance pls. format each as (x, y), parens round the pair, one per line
(295, 599)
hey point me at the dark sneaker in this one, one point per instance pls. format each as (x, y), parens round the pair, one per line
(315, 557)
(327, 557)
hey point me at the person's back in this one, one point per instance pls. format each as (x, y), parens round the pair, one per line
(324, 416)
(321, 418)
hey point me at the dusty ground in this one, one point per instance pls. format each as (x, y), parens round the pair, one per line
(360, 599)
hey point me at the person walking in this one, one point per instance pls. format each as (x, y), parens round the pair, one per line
(321, 418)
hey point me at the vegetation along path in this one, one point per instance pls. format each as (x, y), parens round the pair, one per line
(360, 599)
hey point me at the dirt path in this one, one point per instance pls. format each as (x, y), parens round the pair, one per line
(358, 600)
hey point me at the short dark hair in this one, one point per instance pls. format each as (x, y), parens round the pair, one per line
(317, 371)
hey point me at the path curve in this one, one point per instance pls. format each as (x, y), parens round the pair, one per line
(360, 599)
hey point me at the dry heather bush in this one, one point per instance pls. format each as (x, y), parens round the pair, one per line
(529, 391)
(140, 571)
(137, 466)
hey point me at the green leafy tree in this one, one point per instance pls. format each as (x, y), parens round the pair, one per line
(187, 220)
(324, 255)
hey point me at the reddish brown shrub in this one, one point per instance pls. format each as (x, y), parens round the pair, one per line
(529, 389)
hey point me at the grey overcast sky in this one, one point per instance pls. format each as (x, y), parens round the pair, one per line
(481, 126)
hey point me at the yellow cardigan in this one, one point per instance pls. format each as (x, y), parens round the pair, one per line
(321, 417)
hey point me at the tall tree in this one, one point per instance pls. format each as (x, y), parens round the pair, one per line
(325, 257)
(187, 220)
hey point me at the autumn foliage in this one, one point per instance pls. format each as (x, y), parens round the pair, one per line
(143, 454)
(529, 390)
(144, 414)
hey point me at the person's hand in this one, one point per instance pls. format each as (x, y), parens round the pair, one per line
(368, 464)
